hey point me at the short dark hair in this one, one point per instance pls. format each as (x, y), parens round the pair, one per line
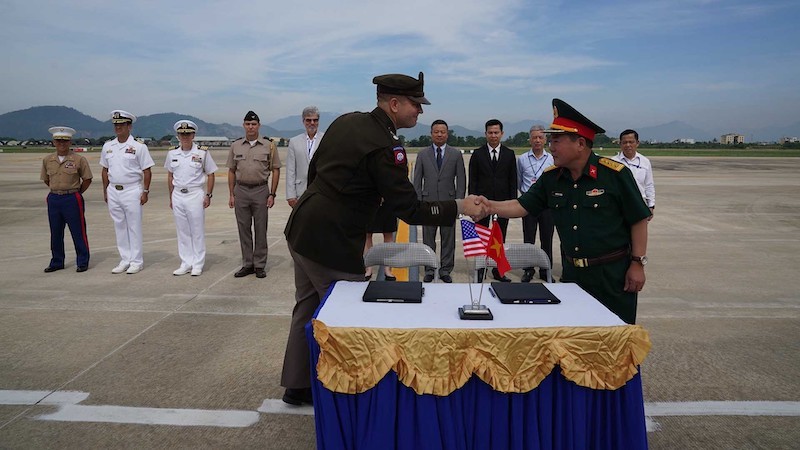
(629, 131)
(439, 122)
(493, 122)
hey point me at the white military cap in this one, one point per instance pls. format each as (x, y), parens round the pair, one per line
(185, 126)
(120, 116)
(61, 132)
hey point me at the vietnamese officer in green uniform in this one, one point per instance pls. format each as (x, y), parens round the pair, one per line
(360, 161)
(598, 211)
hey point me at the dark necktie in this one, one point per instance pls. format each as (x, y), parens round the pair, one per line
(439, 157)
(494, 155)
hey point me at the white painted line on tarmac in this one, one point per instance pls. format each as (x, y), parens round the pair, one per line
(153, 416)
(8, 397)
(732, 408)
(275, 406)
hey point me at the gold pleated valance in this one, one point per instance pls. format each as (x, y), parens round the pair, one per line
(439, 361)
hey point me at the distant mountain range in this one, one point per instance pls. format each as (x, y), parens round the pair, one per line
(34, 122)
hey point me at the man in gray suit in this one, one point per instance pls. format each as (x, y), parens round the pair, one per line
(439, 175)
(298, 156)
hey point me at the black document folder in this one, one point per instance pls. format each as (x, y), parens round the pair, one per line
(523, 293)
(394, 292)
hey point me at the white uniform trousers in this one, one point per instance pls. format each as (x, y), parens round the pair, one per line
(125, 208)
(190, 219)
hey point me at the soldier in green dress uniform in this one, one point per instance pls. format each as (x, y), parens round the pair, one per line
(598, 211)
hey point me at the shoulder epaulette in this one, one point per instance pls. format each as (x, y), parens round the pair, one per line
(203, 147)
(268, 138)
(239, 139)
(611, 164)
(550, 168)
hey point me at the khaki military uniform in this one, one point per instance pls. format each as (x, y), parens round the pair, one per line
(359, 161)
(66, 206)
(252, 165)
(593, 215)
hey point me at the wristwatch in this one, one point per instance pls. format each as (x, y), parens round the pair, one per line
(640, 259)
(272, 194)
(146, 191)
(209, 195)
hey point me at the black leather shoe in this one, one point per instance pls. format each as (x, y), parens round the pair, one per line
(446, 278)
(527, 276)
(297, 397)
(261, 273)
(428, 278)
(389, 278)
(82, 269)
(51, 269)
(480, 274)
(244, 271)
(496, 276)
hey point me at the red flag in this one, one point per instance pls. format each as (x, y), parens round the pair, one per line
(496, 251)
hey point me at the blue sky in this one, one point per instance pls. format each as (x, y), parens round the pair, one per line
(718, 65)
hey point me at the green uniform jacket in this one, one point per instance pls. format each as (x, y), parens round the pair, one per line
(593, 215)
(359, 161)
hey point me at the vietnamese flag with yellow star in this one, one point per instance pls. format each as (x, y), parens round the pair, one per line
(496, 251)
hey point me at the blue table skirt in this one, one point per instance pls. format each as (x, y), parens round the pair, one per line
(558, 414)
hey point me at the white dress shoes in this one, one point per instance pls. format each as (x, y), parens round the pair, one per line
(197, 272)
(182, 270)
(133, 269)
(121, 267)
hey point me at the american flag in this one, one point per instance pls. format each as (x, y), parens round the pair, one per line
(475, 238)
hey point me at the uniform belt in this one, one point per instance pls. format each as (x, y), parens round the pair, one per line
(186, 190)
(66, 192)
(250, 185)
(616, 255)
(120, 187)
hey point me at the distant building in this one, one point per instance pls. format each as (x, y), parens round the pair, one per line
(686, 141)
(212, 141)
(731, 139)
(789, 140)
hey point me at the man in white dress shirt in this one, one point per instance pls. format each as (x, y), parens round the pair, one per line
(639, 165)
(298, 156)
(530, 166)
(126, 184)
(188, 169)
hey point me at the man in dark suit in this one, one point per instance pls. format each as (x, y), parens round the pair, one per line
(359, 162)
(493, 174)
(439, 175)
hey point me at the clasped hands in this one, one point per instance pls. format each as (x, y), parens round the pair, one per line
(476, 206)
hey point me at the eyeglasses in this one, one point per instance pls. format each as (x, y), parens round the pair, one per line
(311, 120)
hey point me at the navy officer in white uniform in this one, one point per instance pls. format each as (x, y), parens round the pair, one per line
(190, 170)
(126, 184)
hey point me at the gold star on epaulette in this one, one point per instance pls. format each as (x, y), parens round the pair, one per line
(611, 164)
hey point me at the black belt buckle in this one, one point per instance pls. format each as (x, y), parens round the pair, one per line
(184, 191)
(119, 187)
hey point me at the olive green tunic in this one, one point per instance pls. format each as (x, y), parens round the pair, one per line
(593, 216)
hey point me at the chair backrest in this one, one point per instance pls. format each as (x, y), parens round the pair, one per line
(520, 256)
(401, 254)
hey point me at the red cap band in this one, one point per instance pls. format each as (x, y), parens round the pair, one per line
(562, 123)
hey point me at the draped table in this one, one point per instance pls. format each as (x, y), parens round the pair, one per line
(415, 376)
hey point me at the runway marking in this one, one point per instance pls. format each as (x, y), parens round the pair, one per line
(153, 416)
(70, 411)
(275, 406)
(712, 408)
(8, 397)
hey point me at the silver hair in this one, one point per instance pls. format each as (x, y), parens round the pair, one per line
(536, 128)
(310, 111)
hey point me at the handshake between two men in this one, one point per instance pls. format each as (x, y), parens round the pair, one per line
(478, 207)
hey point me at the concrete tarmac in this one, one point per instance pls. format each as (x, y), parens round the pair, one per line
(154, 361)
